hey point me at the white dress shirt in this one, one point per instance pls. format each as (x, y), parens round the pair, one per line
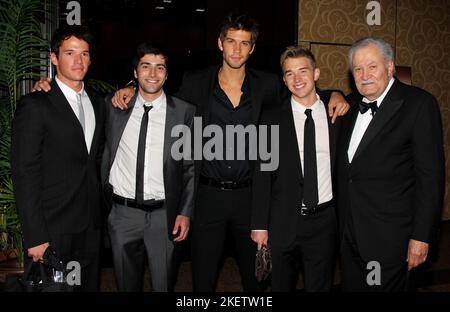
(123, 171)
(89, 115)
(319, 115)
(362, 122)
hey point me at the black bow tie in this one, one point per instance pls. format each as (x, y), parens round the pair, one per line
(364, 107)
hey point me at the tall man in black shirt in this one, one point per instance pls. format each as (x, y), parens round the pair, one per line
(231, 94)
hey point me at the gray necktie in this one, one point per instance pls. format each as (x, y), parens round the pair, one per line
(80, 111)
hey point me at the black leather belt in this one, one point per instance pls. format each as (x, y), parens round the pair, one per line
(306, 211)
(225, 185)
(149, 205)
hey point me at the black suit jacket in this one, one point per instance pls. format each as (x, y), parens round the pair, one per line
(393, 188)
(198, 88)
(178, 174)
(278, 194)
(56, 181)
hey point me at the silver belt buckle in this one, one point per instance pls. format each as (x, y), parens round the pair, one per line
(227, 185)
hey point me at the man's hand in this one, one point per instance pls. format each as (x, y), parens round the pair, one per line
(181, 227)
(42, 85)
(260, 237)
(37, 252)
(122, 97)
(337, 106)
(417, 253)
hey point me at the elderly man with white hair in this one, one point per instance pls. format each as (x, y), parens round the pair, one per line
(391, 174)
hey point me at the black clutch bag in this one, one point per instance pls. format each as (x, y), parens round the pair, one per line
(47, 276)
(263, 264)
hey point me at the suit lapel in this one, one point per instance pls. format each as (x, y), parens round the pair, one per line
(171, 120)
(118, 126)
(255, 97)
(58, 99)
(390, 105)
(331, 138)
(292, 147)
(98, 121)
(204, 102)
(353, 115)
(209, 84)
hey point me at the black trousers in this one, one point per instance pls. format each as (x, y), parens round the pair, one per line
(83, 247)
(356, 277)
(135, 233)
(313, 251)
(219, 213)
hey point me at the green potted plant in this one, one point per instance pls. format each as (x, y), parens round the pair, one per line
(22, 53)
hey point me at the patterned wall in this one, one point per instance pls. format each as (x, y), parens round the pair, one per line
(332, 61)
(343, 21)
(419, 30)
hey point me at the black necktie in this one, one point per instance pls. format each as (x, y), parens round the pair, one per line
(310, 192)
(141, 156)
(364, 107)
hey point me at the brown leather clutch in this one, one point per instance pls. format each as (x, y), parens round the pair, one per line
(263, 263)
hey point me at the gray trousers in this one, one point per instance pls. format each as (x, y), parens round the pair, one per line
(133, 233)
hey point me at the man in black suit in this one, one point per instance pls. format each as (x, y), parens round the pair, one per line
(57, 140)
(391, 174)
(229, 94)
(294, 204)
(151, 204)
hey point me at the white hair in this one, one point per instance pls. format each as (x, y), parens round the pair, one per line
(385, 48)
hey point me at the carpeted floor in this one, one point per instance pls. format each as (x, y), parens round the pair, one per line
(229, 279)
(434, 277)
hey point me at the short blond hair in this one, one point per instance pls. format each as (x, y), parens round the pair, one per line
(295, 52)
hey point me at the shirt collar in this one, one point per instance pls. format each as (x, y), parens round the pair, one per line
(383, 95)
(299, 107)
(245, 88)
(157, 103)
(68, 91)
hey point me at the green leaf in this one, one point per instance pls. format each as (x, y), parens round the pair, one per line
(21, 57)
(100, 86)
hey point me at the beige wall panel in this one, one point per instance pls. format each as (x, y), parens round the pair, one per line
(343, 21)
(305, 44)
(332, 61)
(423, 43)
